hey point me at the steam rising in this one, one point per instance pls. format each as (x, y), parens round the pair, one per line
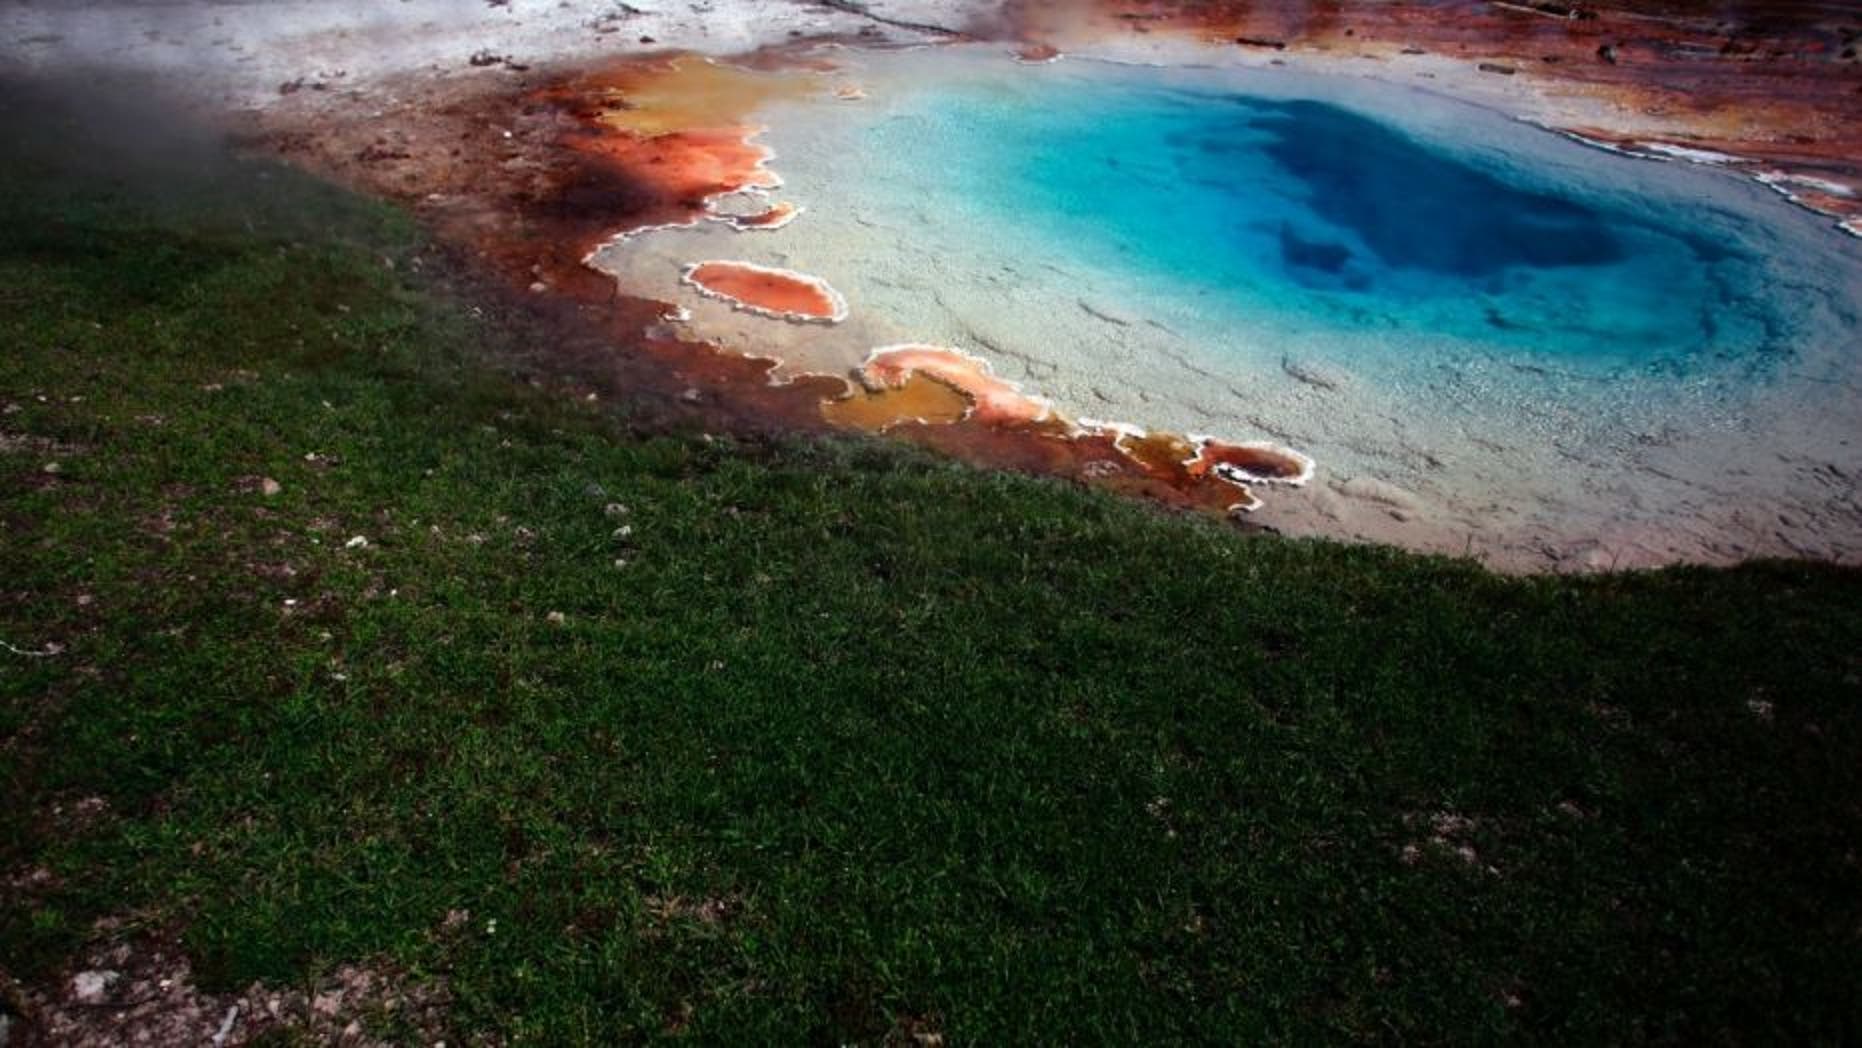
(244, 53)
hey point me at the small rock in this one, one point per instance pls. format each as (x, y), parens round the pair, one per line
(615, 509)
(358, 542)
(327, 1003)
(269, 487)
(557, 618)
(226, 1026)
(93, 986)
(53, 467)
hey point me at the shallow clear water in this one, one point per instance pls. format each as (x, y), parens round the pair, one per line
(1328, 220)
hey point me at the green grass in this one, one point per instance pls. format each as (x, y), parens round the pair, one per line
(857, 742)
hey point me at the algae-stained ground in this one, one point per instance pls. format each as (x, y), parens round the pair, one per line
(604, 735)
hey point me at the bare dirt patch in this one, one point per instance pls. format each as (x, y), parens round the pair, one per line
(140, 991)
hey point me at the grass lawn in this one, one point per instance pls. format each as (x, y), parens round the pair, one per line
(829, 741)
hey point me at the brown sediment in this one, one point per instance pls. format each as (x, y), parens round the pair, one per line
(1104, 457)
(1180, 461)
(897, 380)
(1157, 451)
(683, 170)
(1037, 54)
(1170, 457)
(918, 399)
(678, 94)
(780, 293)
(996, 400)
(1258, 461)
(1773, 81)
(1097, 456)
(676, 130)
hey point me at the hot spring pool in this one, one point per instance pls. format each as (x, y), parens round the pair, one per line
(1486, 333)
(1243, 207)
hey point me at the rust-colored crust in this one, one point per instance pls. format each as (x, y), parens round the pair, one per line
(779, 293)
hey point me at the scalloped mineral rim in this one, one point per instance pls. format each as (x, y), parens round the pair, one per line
(782, 294)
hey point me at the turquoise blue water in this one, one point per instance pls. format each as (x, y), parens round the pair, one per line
(1306, 215)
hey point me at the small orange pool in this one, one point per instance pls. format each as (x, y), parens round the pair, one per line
(780, 293)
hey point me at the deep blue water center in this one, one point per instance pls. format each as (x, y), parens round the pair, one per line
(1308, 216)
(1403, 205)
